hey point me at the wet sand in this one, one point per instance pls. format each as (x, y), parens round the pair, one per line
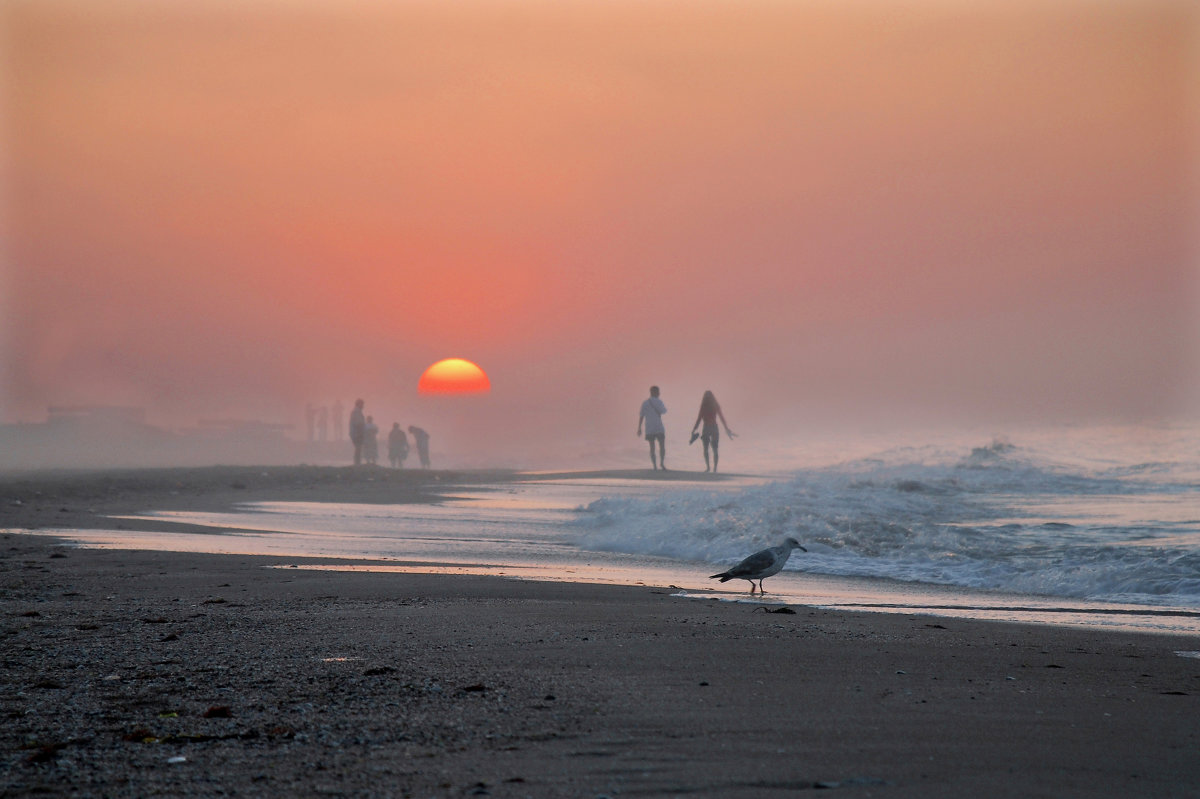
(174, 674)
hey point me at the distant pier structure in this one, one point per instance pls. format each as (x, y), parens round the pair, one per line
(244, 428)
(106, 436)
(96, 415)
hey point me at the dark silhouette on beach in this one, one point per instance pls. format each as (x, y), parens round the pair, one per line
(358, 425)
(397, 446)
(710, 435)
(421, 439)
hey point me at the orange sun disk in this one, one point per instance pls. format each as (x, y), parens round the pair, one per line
(454, 376)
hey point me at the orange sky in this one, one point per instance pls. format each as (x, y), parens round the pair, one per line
(951, 209)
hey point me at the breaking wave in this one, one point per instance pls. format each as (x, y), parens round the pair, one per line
(993, 517)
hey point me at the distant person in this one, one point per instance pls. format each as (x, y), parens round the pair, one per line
(358, 424)
(339, 418)
(397, 446)
(421, 439)
(651, 413)
(310, 420)
(710, 435)
(371, 441)
(323, 423)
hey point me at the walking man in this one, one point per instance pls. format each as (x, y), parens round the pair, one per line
(651, 413)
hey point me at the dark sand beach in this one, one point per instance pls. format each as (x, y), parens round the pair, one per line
(169, 674)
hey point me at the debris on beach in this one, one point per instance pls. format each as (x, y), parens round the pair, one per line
(376, 671)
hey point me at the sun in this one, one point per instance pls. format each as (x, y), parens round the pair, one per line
(454, 376)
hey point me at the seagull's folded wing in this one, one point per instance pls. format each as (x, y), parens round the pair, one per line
(755, 563)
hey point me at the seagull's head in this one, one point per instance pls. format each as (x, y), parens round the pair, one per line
(794, 544)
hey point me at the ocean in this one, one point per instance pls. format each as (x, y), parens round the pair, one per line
(1096, 527)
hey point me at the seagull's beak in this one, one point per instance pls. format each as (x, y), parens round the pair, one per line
(802, 549)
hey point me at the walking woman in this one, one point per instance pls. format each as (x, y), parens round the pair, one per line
(710, 411)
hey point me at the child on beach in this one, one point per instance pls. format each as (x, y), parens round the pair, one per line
(371, 441)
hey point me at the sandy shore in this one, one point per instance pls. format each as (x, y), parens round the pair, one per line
(87, 498)
(144, 673)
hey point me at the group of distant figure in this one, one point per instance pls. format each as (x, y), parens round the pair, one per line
(651, 415)
(364, 435)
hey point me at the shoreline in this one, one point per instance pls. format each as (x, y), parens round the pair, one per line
(281, 681)
(271, 681)
(85, 498)
(110, 502)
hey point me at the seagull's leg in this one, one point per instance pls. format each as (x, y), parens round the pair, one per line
(751, 587)
(761, 590)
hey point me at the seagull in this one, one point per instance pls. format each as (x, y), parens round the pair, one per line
(762, 565)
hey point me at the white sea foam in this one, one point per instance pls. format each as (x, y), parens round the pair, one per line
(991, 517)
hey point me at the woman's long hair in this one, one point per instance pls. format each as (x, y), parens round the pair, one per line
(708, 404)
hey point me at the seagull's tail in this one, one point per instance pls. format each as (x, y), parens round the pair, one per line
(723, 575)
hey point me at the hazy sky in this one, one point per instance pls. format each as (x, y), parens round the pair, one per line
(950, 210)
